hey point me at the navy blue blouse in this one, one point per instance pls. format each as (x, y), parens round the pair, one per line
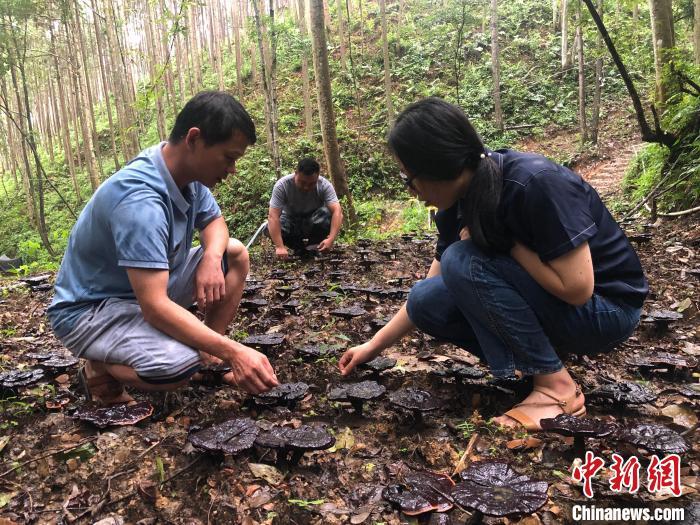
(552, 210)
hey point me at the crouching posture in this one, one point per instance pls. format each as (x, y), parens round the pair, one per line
(130, 273)
(529, 262)
(304, 210)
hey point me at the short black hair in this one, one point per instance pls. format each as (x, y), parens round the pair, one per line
(308, 166)
(217, 115)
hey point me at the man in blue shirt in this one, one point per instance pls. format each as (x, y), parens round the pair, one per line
(129, 272)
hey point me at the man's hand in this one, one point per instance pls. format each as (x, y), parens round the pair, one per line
(209, 283)
(251, 371)
(356, 356)
(325, 245)
(281, 252)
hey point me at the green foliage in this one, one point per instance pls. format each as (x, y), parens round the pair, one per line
(678, 167)
(436, 49)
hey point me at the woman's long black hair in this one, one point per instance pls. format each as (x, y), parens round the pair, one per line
(435, 141)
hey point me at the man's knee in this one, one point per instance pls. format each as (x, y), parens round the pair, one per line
(237, 256)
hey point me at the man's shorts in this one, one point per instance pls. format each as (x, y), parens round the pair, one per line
(114, 331)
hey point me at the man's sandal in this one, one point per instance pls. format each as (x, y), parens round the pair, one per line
(112, 388)
(566, 406)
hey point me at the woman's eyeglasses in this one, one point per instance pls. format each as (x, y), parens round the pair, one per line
(407, 181)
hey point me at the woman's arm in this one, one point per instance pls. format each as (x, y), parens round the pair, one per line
(399, 326)
(568, 277)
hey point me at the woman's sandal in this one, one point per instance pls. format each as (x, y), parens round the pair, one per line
(113, 388)
(566, 406)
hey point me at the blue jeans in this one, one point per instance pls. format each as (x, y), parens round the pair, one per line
(490, 306)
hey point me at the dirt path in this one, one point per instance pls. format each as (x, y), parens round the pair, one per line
(606, 173)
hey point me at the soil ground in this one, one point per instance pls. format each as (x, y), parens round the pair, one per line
(55, 469)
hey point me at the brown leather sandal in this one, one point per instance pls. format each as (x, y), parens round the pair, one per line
(566, 406)
(112, 388)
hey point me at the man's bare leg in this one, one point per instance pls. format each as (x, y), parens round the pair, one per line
(218, 317)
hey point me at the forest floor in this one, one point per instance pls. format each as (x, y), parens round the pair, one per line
(57, 469)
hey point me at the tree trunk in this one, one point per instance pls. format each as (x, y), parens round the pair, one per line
(267, 52)
(595, 110)
(583, 125)
(79, 108)
(16, 122)
(308, 110)
(325, 108)
(565, 57)
(387, 66)
(68, 153)
(496, 66)
(341, 34)
(662, 31)
(555, 15)
(154, 81)
(237, 44)
(11, 142)
(696, 32)
(88, 91)
(105, 88)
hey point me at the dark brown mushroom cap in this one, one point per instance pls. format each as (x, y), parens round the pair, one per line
(349, 313)
(639, 237)
(460, 371)
(253, 303)
(230, 437)
(252, 289)
(495, 489)
(35, 280)
(59, 363)
(303, 438)
(329, 295)
(572, 426)
(414, 399)
(281, 274)
(379, 364)
(421, 492)
(314, 352)
(337, 275)
(362, 391)
(655, 438)
(661, 316)
(284, 393)
(624, 392)
(662, 359)
(264, 340)
(117, 415)
(21, 378)
(691, 390)
(40, 356)
(378, 322)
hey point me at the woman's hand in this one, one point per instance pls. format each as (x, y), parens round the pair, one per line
(464, 234)
(356, 356)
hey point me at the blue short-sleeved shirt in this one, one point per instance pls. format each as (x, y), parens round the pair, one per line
(552, 210)
(138, 218)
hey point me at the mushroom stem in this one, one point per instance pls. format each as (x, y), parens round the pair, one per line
(296, 456)
(579, 447)
(357, 405)
(476, 518)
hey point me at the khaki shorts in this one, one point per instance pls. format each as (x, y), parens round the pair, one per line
(114, 331)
